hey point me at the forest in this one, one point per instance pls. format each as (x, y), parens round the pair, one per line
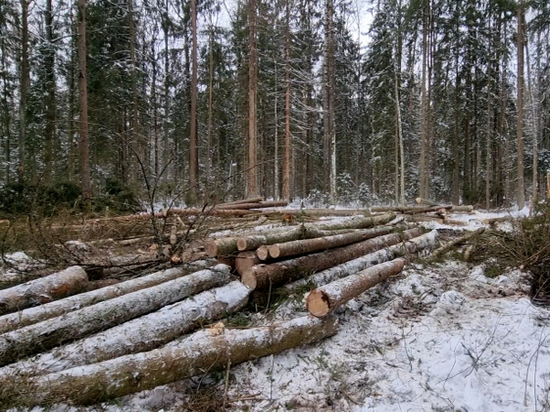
(341, 101)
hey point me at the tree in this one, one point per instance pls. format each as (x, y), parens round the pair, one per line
(520, 80)
(252, 92)
(83, 101)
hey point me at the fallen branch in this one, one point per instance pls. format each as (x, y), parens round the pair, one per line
(444, 249)
(55, 286)
(74, 325)
(322, 301)
(201, 351)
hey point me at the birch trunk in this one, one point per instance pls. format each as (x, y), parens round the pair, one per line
(75, 325)
(31, 316)
(55, 286)
(199, 352)
(142, 334)
(322, 301)
(353, 266)
(264, 277)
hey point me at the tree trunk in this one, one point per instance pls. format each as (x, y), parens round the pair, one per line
(359, 222)
(264, 277)
(255, 241)
(329, 110)
(84, 149)
(252, 92)
(25, 84)
(424, 105)
(353, 266)
(260, 205)
(286, 179)
(142, 334)
(193, 139)
(299, 247)
(204, 350)
(520, 60)
(60, 307)
(56, 286)
(74, 325)
(322, 301)
(49, 60)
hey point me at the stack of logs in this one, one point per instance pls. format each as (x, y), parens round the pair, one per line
(60, 344)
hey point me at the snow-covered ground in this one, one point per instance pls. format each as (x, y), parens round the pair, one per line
(436, 338)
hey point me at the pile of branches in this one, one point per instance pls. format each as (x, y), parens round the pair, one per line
(526, 246)
(61, 343)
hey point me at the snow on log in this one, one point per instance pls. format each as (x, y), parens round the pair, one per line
(254, 241)
(357, 222)
(55, 286)
(322, 301)
(245, 260)
(299, 247)
(37, 314)
(265, 276)
(353, 266)
(138, 335)
(205, 350)
(75, 325)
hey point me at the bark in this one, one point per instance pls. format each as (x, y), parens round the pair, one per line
(520, 61)
(358, 222)
(255, 241)
(75, 325)
(252, 94)
(428, 202)
(207, 212)
(199, 352)
(49, 60)
(286, 177)
(221, 247)
(142, 334)
(24, 87)
(245, 260)
(402, 249)
(444, 249)
(322, 301)
(55, 286)
(299, 247)
(60, 307)
(324, 212)
(237, 202)
(193, 140)
(263, 277)
(84, 149)
(260, 205)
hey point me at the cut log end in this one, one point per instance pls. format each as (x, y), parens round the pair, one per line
(274, 251)
(318, 303)
(211, 248)
(263, 252)
(241, 243)
(249, 279)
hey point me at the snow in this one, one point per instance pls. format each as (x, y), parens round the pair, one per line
(436, 338)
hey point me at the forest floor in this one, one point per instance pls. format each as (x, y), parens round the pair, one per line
(438, 337)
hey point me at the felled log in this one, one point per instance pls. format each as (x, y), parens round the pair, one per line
(210, 212)
(254, 241)
(409, 247)
(138, 335)
(299, 247)
(203, 351)
(60, 307)
(238, 202)
(263, 276)
(428, 202)
(444, 249)
(357, 222)
(325, 212)
(244, 206)
(322, 301)
(55, 286)
(493, 220)
(75, 325)
(245, 260)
